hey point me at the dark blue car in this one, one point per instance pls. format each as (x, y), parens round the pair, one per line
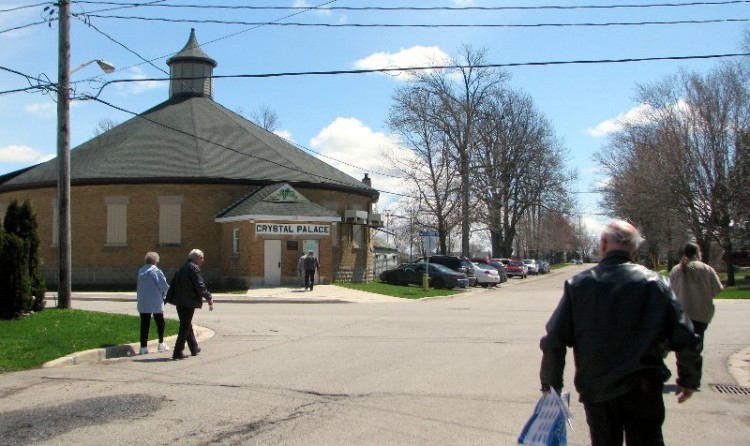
(411, 273)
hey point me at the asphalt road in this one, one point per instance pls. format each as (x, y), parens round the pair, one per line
(449, 371)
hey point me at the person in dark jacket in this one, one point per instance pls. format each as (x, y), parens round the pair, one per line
(620, 318)
(189, 292)
(310, 264)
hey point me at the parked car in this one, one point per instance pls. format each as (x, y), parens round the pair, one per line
(487, 275)
(495, 263)
(455, 263)
(517, 268)
(411, 273)
(543, 267)
(532, 265)
(500, 270)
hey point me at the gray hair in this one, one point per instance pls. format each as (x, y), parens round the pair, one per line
(623, 233)
(152, 258)
(194, 254)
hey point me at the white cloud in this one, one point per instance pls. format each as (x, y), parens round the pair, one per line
(41, 109)
(635, 115)
(592, 225)
(416, 56)
(46, 109)
(286, 134)
(20, 154)
(136, 73)
(349, 142)
(305, 4)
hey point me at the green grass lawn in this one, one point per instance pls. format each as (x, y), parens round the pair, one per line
(401, 291)
(53, 333)
(741, 288)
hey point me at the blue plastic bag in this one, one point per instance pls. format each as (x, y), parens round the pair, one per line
(547, 425)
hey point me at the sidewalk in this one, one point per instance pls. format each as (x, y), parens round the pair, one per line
(280, 294)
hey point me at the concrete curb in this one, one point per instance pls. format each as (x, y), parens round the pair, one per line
(122, 351)
(739, 367)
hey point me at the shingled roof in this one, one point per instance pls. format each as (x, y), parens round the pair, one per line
(189, 138)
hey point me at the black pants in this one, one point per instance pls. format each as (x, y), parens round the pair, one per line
(186, 333)
(309, 278)
(146, 324)
(639, 414)
(699, 328)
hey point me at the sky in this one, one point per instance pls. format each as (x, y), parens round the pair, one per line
(342, 118)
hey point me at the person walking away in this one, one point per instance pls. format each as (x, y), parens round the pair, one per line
(311, 265)
(189, 292)
(301, 270)
(695, 284)
(150, 291)
(619, 317)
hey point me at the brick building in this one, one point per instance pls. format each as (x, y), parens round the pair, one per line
(189, 173)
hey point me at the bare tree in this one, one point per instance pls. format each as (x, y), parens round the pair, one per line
(105, 125)
(431, 170)
(519, 171)
(455, 98)
(265, 117)
(634, 160)
(689, 157)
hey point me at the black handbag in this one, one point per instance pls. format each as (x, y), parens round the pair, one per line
(169, 298)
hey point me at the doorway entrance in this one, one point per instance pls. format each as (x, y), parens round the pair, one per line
(272, 262)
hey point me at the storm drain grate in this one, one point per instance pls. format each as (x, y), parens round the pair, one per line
(731, 389)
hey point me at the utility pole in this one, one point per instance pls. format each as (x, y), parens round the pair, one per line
(64, 260)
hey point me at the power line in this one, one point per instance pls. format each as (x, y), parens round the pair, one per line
(150, 61)
(18, 8)
(431, 8)
(422, 25)
(126, 5)
(16, 28)
(435, 67)
(35, 83)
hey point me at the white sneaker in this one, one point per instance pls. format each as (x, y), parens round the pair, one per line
(163, 347)
(143, 351)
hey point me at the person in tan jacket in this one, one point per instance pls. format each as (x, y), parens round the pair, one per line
(695, 285)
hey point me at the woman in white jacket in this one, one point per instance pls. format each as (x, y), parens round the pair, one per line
(152, 287)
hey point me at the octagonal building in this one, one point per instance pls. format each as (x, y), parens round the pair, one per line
(190, 173)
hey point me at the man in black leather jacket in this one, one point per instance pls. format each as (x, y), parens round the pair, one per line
(189, 292)
(620, 318)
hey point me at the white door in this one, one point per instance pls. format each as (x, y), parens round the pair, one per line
(272, 262)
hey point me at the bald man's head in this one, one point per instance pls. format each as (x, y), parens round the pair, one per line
(619, 235)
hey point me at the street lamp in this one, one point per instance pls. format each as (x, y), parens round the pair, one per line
(103, 64)
(63, 153)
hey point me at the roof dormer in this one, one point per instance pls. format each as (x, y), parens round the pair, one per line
(191, 71)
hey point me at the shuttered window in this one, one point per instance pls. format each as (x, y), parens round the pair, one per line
(235, 241)
(117, 221)
(170, 220)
